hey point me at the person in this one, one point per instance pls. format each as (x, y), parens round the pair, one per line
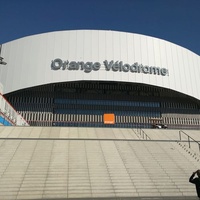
(196, 181)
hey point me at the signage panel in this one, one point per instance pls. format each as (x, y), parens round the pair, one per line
(109, 118)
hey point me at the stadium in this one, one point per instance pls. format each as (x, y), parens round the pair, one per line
(77, 112)
(73, 78)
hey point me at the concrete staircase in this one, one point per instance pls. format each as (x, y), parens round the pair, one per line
(188, 144)
(78, 163)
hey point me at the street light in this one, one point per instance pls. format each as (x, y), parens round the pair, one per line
(2, 62)
(1, 58)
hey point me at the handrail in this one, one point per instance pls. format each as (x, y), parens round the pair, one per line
(144, 135)
(188, 139)
(7, 111)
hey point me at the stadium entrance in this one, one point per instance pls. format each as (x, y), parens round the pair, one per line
(84, 103)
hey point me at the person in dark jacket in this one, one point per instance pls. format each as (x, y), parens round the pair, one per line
(196, 181)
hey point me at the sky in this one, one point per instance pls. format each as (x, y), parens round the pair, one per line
(177, 21)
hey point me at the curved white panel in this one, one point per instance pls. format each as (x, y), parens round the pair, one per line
(29, 60)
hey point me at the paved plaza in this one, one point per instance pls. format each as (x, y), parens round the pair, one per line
(89, 163)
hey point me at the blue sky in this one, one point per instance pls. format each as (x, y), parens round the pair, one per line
(177, 21)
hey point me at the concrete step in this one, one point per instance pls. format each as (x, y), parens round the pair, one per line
(90, 169)
(110, 198)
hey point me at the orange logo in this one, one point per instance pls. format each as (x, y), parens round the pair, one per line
(109, 118)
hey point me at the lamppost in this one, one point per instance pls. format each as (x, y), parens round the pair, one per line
(2, 62)
(1, 58)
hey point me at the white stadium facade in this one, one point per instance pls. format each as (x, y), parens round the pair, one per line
(78, 77)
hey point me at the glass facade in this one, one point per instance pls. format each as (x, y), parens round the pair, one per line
(84, 103)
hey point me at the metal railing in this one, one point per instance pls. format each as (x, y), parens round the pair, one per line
(8, 115)
(143, 134)
(189, 139)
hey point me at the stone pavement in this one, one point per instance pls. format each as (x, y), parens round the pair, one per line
(131, 198)
(61, 163)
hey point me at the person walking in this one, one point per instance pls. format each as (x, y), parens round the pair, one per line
(196, 181)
